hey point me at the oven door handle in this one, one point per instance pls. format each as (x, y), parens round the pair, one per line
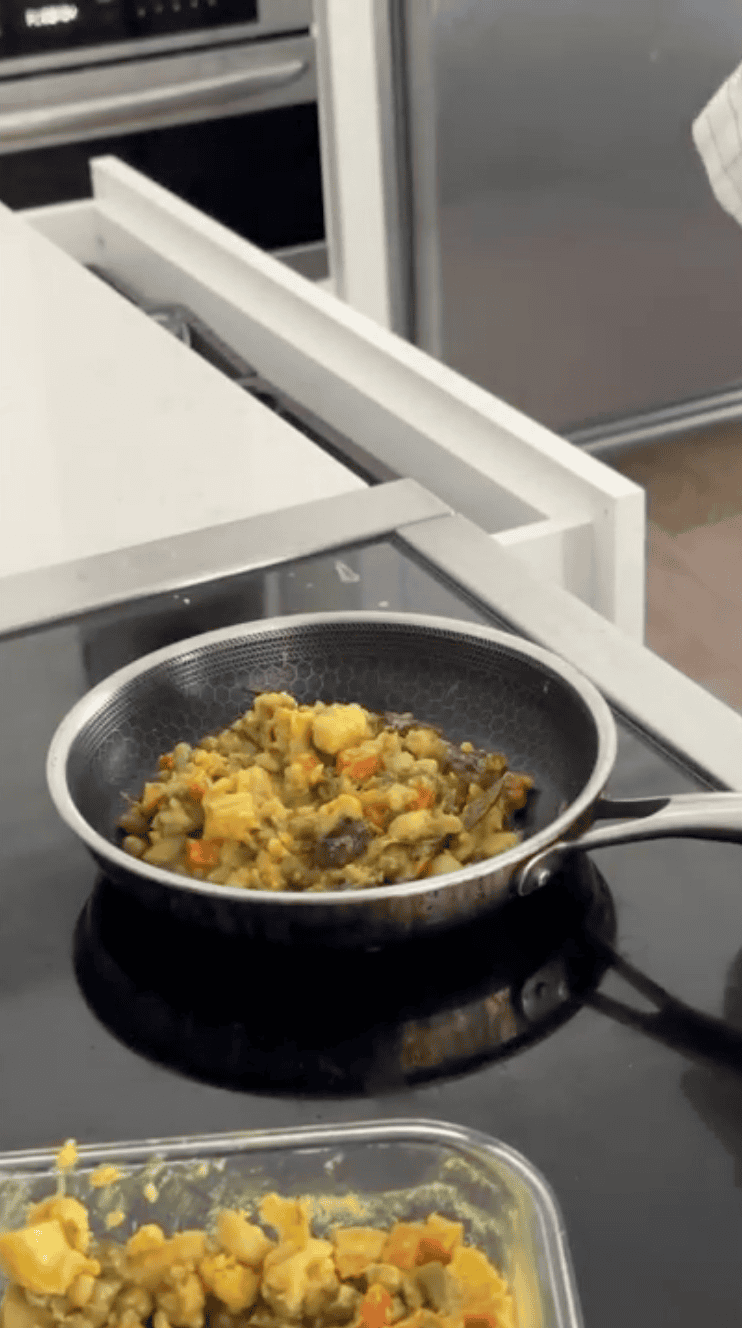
(116, 113)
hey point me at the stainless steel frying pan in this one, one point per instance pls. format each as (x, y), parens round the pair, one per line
(474, 682)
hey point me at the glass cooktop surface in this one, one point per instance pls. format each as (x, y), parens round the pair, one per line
(596, 1025)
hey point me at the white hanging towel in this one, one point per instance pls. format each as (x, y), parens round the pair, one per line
(717, 133)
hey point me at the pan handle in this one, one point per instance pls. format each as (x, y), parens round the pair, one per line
(686, 815)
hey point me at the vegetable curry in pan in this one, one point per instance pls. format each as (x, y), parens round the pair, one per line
(323, 797)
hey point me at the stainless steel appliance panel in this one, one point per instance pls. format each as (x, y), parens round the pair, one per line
(586, 269)
(230, 128)
(222, 113)
(71, 105)
(36, 37)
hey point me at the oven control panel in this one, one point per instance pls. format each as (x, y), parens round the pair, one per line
(31, 27)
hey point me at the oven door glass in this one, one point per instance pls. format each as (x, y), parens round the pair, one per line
(259, 174)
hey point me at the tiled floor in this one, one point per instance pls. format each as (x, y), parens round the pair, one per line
(694, 554)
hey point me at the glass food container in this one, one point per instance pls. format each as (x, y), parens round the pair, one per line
(372, 1172)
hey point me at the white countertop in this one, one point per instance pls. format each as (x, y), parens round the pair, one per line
(112, 432)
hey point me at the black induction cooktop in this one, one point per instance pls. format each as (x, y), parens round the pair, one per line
(342, 1022)
(596, 1025)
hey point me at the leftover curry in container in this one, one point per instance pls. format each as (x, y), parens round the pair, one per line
(323, 797)
(387, 1177)
(244, 1275)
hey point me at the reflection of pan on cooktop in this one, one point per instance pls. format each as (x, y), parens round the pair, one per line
(307, 1020)
(698, 1035)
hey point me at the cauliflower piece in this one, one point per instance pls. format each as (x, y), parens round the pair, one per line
(398, 796)
(425, 824)
(302, 1284)
(274, 812)
(174, 819)
(182, 1299)
(15, 1312)
(290, 1217)
(138, 1301)
(151, 1259)
(242, 1238)
(345, 807)
(423, 742)
(81, 1290)
(212, 763)
(340, 726)
(303, 773)
(164, 850)
(266, 704)
(71, 1215)
(256, 781)
(234, 1284)
(399, 762)
(40, 1259)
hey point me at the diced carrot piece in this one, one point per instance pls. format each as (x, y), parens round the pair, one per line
(422, 869)
(376, 812)
(166, 762)
(359, 769)
(425, 798)
(197, 791)
(375, 1307)
(203, 852)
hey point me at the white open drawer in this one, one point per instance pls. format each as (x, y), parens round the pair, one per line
(570, 519)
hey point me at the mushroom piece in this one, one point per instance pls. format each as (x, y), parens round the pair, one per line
(340, 846)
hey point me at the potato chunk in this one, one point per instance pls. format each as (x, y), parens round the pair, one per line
(340, 726)
(355, 1248)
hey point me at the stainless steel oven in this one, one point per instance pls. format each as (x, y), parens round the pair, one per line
(215, 99)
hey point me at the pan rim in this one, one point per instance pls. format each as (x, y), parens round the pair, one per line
(92, 702)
